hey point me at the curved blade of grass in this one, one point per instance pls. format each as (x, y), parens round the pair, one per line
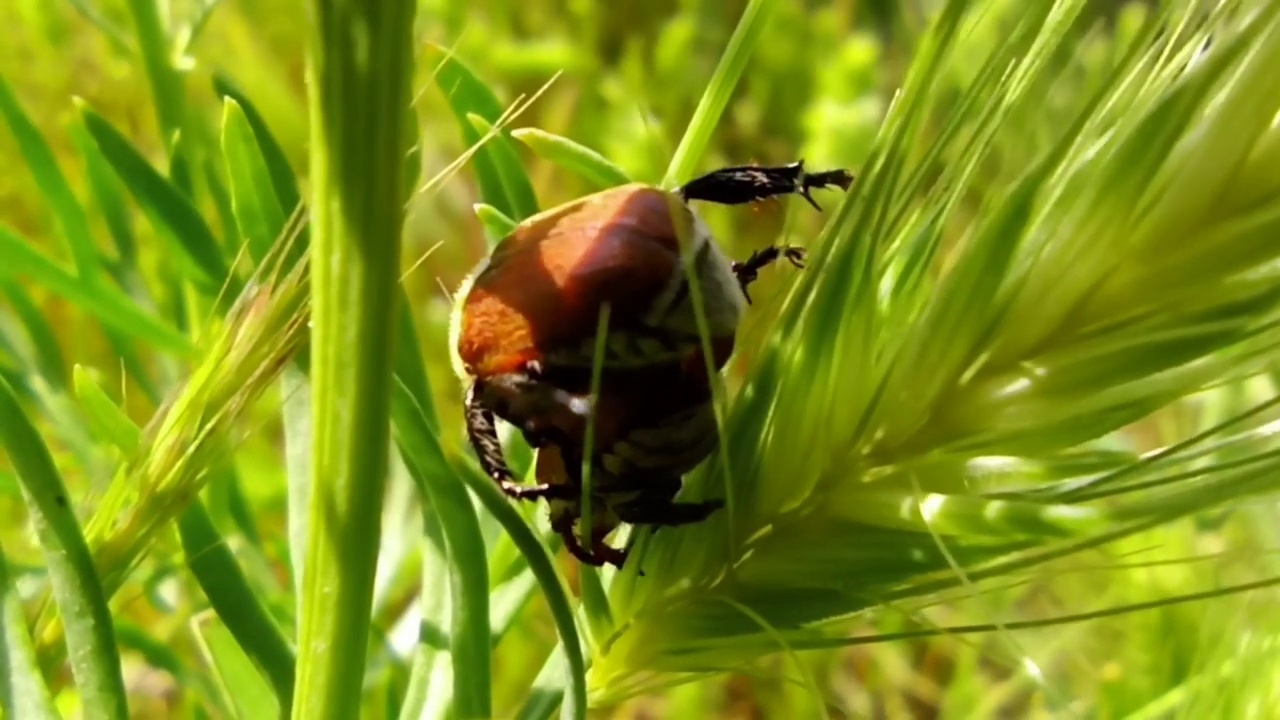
(510, 171)
(242, 688)
(714, 99)
(234, 600)
(469, 635)
(258, 213)
(44, 343)
(23, 693)
(109, 305)
(108, 195)
(572, 156)
(105, 417)
(503, 182)
(498, 225)
(403, 409)
(166, 83)
(282, 176)
(222, 203)
(91, 647)
(178, 220)
(66, 209)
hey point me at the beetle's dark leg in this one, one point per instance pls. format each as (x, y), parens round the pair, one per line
(482, 431)
(596, 557)
(748, 270)
(749, 183)
(643, 511)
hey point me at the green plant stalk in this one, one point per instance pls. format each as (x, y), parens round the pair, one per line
(90, 642)
(359, 70)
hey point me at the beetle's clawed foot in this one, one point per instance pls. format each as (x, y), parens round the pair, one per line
(748, 270)
(599, 556)
(840, 178)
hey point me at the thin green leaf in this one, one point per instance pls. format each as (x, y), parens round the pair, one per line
(107, 304)
(166, 83)
(23, 693)
(238, 606)
(91, 647)
(714, 99)
(108, 195)
(469, 635)
(243, 689)
(105, 417)
(403, 413)
(495, 223)
(572, 156)
(178, 220)
(257, 209)
(66, 209)
(510, 170)
(44, 342)
(282, 176)
(502, 185)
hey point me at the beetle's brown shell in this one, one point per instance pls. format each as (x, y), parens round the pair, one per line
(543, 286)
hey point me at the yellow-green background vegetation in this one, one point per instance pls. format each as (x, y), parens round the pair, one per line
(1191, 372)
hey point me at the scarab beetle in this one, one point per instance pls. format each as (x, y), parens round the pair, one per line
(524, 332)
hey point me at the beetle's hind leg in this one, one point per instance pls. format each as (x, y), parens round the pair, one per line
(482, 431)
(749, 183)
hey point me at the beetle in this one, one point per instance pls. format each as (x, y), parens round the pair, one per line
(524, 330)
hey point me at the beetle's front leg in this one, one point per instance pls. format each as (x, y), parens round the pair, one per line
(749, 269)
(749, 183)
(482, 431)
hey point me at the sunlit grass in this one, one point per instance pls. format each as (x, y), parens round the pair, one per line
(1037, 333)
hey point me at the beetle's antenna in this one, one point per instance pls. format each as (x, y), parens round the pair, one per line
(751, 183)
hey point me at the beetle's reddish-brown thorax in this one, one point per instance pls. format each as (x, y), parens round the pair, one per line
(542, 288)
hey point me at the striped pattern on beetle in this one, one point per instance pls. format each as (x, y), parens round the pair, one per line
(524, 330)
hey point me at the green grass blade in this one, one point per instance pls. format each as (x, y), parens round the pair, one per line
(179, 221)
(403, 408)
(91, 647)
(166, 83)
(109, 305)
(282, 177)
(44, 342)
(707, 115)
(23, 693)
(510, 170)
(242, 689)
(108, 195)
(357, 167)
(503, 182)
(495, 223)
(572, 156)
(258, 213)
(64, 206)
(237, 605)
(105, 417)
(469, 633)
